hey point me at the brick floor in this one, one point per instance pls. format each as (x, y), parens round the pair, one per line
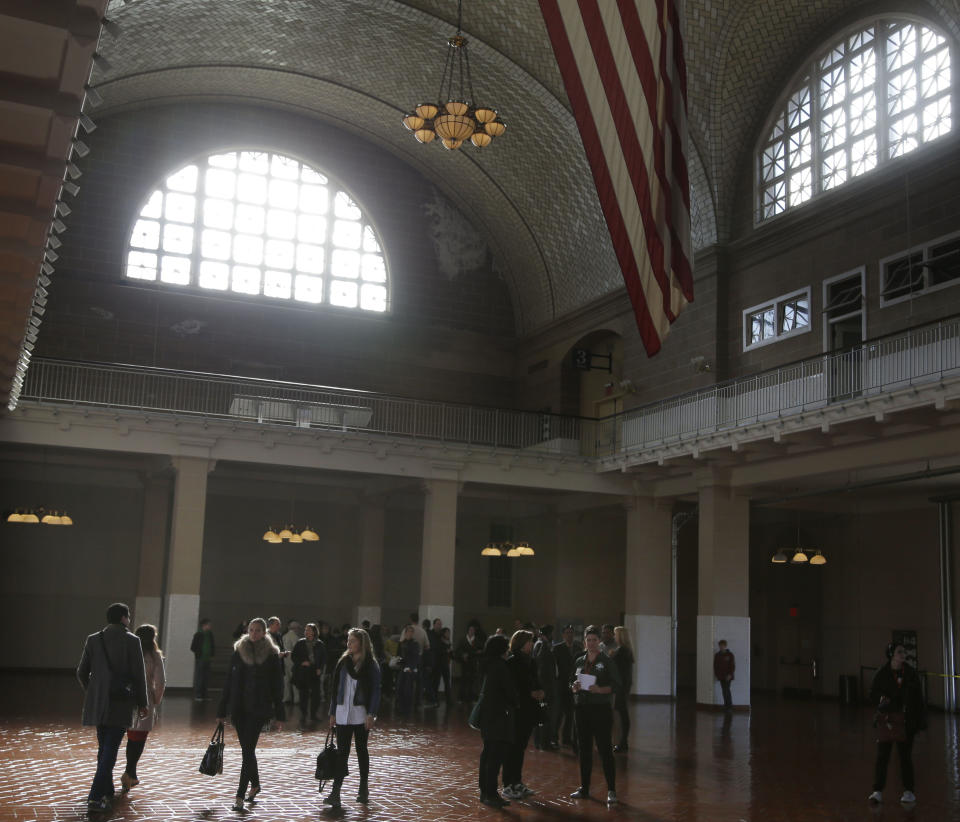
(790, 761)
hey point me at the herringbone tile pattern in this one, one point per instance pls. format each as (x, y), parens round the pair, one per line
(784, 762)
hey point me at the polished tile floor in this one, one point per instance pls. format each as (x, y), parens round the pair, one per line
(790, 761)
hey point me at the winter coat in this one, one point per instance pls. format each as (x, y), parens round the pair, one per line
(409, 653)
(607, 674)
(125, 659)
(524, 677)
(566, 658)
(156, 685)
(906, 697)
(468, 655)
(254, 686)
(368, 686)
(546, 665)
(724, 664)
(196, 644)
(623, 657)
(303, 676)
(498, 705)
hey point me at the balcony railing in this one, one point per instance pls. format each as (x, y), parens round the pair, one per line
(921, 355)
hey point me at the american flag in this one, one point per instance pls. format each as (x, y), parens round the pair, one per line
(623, 68)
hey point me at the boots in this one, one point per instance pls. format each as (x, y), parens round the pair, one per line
(333, 798)
(364, 793)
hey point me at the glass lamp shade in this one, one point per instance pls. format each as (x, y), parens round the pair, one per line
(427, 110)
(270, 535)
(481, 139)
(482, 114)
(50, 519)
(424, 135)
(286, 533)
(30, 517)
(275, 539)
(779, 558)
(295, 537)
(309, 536)
(413, 121)
(525, 550)
(456, 107)
(65, 520)
(16, 516)
(495, 127)
(454, 126)
(799, 557)
(490, 550)
(451, 145)
(818, 559)
(514, 552)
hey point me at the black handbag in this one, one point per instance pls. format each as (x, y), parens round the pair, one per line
(328, 762)
(212, 762)
(121, 686)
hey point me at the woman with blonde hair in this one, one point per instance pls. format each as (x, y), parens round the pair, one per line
(156, 684)
(354, 703)
(622, 655)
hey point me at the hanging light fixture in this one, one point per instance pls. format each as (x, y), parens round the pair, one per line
(491, 550)
(799, 557)
(818, 559)
(507, 549)
(779, 558)
(32, 516)
(524, 549)
(309, 535)
(455, 117)
(271, 535)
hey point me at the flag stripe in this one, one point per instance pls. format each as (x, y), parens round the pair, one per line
(623, 68)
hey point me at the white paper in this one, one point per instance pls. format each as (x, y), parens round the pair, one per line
(586, 680)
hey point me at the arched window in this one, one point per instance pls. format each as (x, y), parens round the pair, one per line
(873, 95)
(257, 223)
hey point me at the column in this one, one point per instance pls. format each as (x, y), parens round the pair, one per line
(182, 601)
(371, 562)
(439, 551)
(724, 593)
(647, 604)
(153, 552)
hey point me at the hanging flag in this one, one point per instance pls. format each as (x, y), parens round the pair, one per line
(623, 68)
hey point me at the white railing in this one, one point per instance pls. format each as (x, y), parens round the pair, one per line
(921, 355)
(150, 390)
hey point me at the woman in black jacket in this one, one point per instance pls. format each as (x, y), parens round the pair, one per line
(529, 695)
(309, 657)
(622, 655)
(252, 694)
(896, 689)
(497, 709)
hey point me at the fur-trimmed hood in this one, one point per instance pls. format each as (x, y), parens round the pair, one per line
(255, 653)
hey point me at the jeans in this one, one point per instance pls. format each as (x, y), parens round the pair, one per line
(513, 761)
(439, 671)
(406, 688)
(201, 673)
(491, 758)
(309, 690)
(623, 711)
(248, 734)
(904, 753)
(595, 722)
(109, 738)
(725, 687)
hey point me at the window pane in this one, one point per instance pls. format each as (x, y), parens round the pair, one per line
(903, 136)
(220, 183)
(175, 270)
(179, 207)
(249, 219)
(223, 160)
(345, 264)
(154, 206)
(142, 266)
(373, 297)
(247, 249)
(901, 46)
(215, 245)
(284, 168)
(309, 175)
(935, 74)
(801, 186)
(184, 180)
(372, 268)
(773, 163)
(281, 224)
(279, 254)
(936, 119)
(902, 92)
(283, 193)
(252, 188)
(343, 294)
(146, 234)
(178, 239)
(311, 229)
(214, 275)
(309, 289)
(345, 208)
(277, 284)
(218, 214)
(369, 240)
(796, 314)
(834, 171)
(246, 279)
(863, 155)
(313, 199)
(310, 258)
(346, 234)
(256, 162)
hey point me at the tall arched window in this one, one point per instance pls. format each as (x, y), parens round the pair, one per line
(257, 223)
(873, 95)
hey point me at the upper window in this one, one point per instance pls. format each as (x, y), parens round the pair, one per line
(921, 270)
(872, 96)
(252, 222)
(783, 317)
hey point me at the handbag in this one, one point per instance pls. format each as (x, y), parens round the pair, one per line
(121, 686)
(212, 762)
(328, 762)
(891, 726)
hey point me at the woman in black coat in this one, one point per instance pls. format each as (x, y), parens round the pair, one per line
(252, 695)
(309, 658)
(529, 695)
(622, 655)
(497, 709)
(896, 689)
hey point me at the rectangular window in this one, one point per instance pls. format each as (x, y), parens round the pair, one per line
(921, 270)
(783, 317)
(844, 319)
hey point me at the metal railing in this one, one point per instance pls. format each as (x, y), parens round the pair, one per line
(214, 396)
(924, 354)
(921, 355)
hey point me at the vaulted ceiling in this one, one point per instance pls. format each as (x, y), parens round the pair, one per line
(360, 65)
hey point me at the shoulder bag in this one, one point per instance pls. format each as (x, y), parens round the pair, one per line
(328, 762)
(212, 762)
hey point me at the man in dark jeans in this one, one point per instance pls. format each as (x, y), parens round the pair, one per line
(565, 654)
(112, 674)
(724, 665)
(203, 648)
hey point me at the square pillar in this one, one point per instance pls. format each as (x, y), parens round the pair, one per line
(439, 550)
(372, 518)
(153, 553)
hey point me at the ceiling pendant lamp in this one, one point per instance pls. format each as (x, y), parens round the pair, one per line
(65, 520)
(50, 518)
(491, 550)
(29, 517)
(455, 118)
(799, 557)
(271, 535)
(779, 558)
(16, 516)
(295, 537)
(286, 533)
(309, 535)
(818, 559)
(512, 550)
(524, 549)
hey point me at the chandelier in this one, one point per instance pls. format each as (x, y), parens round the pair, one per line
(33, 516)
(455, 118)
(507, 549)
(291, 533)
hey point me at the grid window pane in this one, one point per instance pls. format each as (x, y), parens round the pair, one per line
(249, 219)
(345, 208)
(175, 270)
(179, 207)
(252, 188)
(346, 234)
(141, 265)
(246, 279)
(282, 193)
(223, 160)
(373, 269)
(154, 207)
(248, 249)
(215, 245)
(936, 119)
(178, 239)
(309, 289)
(313, 199)
(214, 275)
(255, 162)
(311, 228)
(218, 214)
(184, 180)
(343, 293)
(284, 168)
(220, 183)
(369, 240)
(345, 264)
(279, 254)
(146, 234)
(310, 258)
(277, 284)
(281, 224)
(373, 297)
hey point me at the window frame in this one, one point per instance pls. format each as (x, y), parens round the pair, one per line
(777, 305)
(808, 76)
(335, 187)
(925, 251)
(828, 322)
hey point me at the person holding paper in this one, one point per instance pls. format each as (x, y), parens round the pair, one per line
(595, 681)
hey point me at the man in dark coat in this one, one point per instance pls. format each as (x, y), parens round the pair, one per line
(545, 735)
(203, 648)
(724, 666)
(565, 653)
(112, 674)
